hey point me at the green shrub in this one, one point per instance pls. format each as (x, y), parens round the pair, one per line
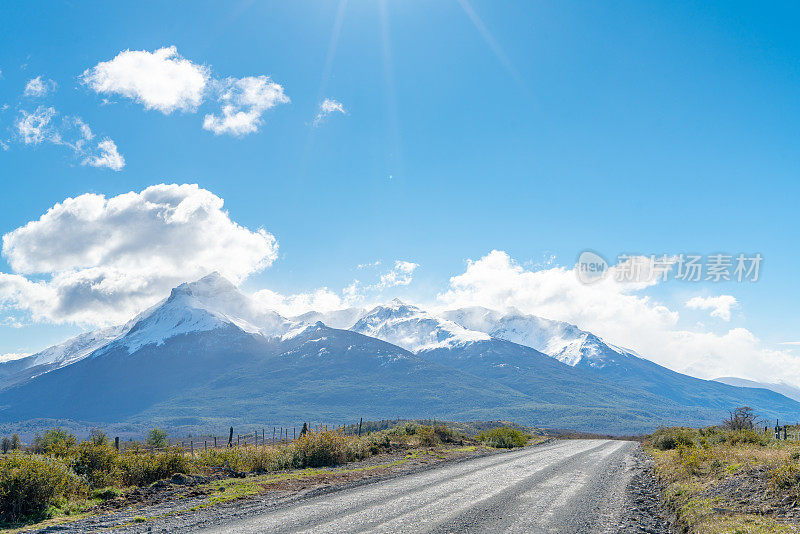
(97, 463)
(30, 484)
(784, 477)
(446, 435)
(143, 468)
(55, 442)
(674, 437)
(740, 437)
(317, 449)
(504, 438)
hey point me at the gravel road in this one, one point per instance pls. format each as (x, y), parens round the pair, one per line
(564, 486)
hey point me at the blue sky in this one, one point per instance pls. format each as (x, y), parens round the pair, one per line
(533, 128)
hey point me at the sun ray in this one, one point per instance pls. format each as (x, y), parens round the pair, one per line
(490, 40)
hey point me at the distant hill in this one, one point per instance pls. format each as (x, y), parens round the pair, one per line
(779, 387)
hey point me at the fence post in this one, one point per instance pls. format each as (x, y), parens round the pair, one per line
(215, 442)
(359, 426)
(191, 447)
(273, 434)
(116, 443)
(230, 438)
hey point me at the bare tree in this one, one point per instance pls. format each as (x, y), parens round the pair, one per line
(742, 418)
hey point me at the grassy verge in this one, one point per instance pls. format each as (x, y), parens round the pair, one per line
(726, 481)
(68, 480)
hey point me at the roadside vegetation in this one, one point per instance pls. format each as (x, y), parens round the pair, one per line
(732, 478)
(57, 475)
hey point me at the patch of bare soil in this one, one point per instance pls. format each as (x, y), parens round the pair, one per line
(749, 491)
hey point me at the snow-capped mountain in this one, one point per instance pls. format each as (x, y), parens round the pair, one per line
(563, 341)
(207, 304)
(208, 353)
(414, 329)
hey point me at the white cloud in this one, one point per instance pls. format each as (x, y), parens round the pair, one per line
(34, 127)
(370, 265)
(326, 107)
(69, 131)
(324, 300)
(619, 313)
(37, 88)
(9, 356)
(244, 101)
(321, 300)
(400, 275)
(107, 156)
(97, 260)
(160, 80)
(720, 306)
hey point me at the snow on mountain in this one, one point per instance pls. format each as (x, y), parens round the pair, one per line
(207, 304)
(414, 329)
(563, 341)
(78, 347)
(342, 319)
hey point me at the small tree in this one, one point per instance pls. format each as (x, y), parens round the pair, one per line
(742, 418)
(5, 445)
(98, 437)
(157, 438)
(16, 444)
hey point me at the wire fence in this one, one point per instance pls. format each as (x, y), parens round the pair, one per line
(275, 435)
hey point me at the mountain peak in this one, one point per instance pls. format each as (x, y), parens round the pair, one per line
(211, 285)
(414, 329)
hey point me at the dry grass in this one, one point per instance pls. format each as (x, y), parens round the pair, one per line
(698, 469)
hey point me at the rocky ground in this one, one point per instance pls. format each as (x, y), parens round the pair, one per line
(646, 512)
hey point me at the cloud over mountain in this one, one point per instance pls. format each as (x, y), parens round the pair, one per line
(92, 259)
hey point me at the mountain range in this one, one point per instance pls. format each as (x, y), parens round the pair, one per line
(208, 357)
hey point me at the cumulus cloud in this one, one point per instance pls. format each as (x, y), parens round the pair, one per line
(45, 124)
(107, 156)
(37, 87)
(326, 107)
(621, 314)
(97, 260)
(244, 101)
(165, 81)
(160, 80)
(720, 306)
